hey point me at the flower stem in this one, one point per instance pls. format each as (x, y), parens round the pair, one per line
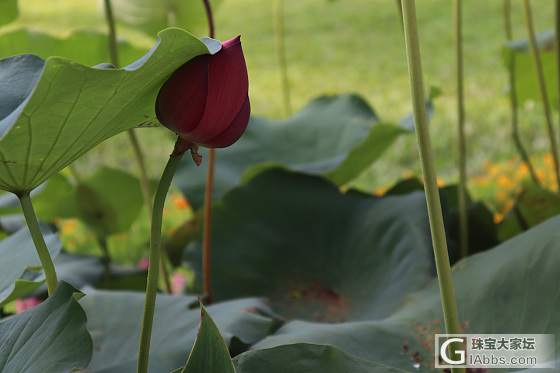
(39, 241)
(154, 258)
(542, 87)
(207, 229)
(428, 170)
(513, 98)
(207, 212)
(463, 212)
(281, 54)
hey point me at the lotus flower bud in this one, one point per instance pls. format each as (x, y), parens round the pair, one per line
(206, 102)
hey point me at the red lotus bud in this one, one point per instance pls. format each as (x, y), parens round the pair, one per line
(206, 102)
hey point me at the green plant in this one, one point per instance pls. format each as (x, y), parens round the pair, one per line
(308, 273)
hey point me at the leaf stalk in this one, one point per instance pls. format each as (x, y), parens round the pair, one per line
(463, 212)
(542, 86)
(39, 241)
(154, 258)
(428, 170)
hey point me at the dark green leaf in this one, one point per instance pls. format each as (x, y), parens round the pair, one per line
(18, 253)
(51, 337)
(504, 290)
(315, 253)
(209, 353)
(405, 186)
(115, 320)
(482, 231)
(305, 358)
(72, 107)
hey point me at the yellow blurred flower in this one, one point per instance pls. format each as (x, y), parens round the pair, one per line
(379, 191)
(505, 182)
(69, 226)
(179, 201)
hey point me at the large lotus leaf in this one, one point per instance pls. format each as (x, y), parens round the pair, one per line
(305, 358)
(115, 318)
(315, 253)
(8, 11)
(333, 136)
(51, 337)
(18, 253)
(150, 16)
(209, 354)
(54, 111)
(517, 55)
(509, 289)
(88, 47)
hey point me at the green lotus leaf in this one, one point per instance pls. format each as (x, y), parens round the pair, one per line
(210, 353)
(50, 337)
(505, 290)
(315, 253)
(334, 136)
(115, 320)
(54, 111)
(305, 358)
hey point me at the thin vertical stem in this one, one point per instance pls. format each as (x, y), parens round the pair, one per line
(206, 229)
(513, 98)
(207, 220)
(281, 55)
(428, 171)
(399, 8)
(557, 37)
(208, 9)
(102, 242)
(542, 87)
(463, 212)
(154, 258)
(113, 47)
(39, 241)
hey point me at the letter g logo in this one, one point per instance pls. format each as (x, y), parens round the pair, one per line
(443, 352)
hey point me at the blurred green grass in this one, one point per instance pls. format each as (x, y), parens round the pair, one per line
(351, 46)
